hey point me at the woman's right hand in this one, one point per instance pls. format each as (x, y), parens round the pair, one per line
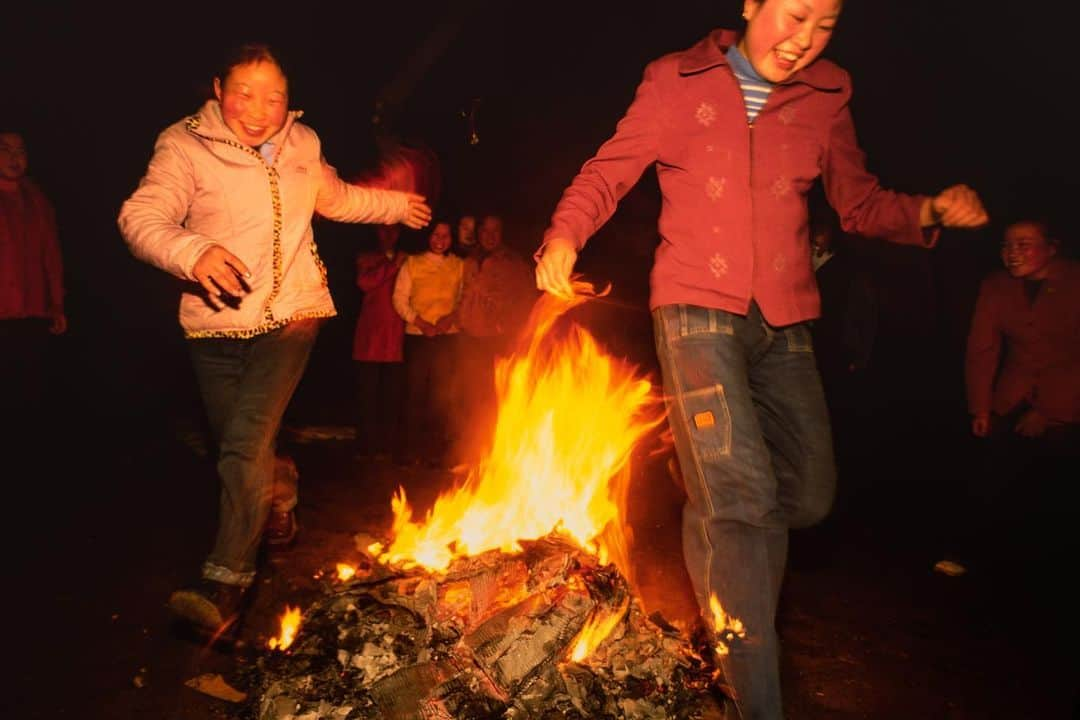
(219, 271)
(554, 268)
(417, 214)
(980, 425)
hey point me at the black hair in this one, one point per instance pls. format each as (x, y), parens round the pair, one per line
(247, 54)
(1042, 224)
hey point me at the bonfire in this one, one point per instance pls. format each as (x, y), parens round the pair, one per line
(512, 597)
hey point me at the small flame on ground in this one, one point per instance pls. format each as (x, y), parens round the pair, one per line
(727, 628)
(596, 631)
(290, 624)
(345, 572)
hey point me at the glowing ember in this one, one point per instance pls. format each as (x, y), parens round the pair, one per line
(345, 572)
(290, 624)
(569, 417)
(727, 628)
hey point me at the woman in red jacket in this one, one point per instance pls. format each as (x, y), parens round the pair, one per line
(739, 127)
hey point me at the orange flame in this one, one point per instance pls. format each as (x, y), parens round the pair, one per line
(569, 416)
(727, 628)
(290, 624)
(345, 572)
(596, 631)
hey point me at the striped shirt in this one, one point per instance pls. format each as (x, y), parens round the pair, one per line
(755, 89)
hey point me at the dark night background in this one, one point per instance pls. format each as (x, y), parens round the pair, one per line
(945, 92)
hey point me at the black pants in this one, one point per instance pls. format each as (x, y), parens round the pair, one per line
(379, 397)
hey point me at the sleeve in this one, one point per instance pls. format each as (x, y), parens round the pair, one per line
(983, 352)
(863, 206)
(459, 288)
(151, 220)
(593, 195)
(402, 293)
(345, 202)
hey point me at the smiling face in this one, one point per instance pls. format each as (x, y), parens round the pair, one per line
(1027, 251)
(12, 156)
(440, 238)
(784, 36)
(254, 100)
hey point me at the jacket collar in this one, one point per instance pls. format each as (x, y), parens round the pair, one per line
(209, 123)
(711, 51)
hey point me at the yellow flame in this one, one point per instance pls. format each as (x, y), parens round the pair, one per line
(596, 631)
(345, 572)
(290, 625)
(727, 628)
(569, 416)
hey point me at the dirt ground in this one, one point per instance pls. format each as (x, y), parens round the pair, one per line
(868, 629)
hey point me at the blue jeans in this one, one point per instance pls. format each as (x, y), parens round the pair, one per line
(246, 385)
(751, 428)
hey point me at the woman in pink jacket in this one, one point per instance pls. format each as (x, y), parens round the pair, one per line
(226, 204)
(739, 127)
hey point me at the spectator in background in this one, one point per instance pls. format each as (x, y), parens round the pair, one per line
(497, 295)
(426, 296)
(1022, 371)
(378, 343)
(844, 334)
(227, 204)
(465, 243)
(31, 285)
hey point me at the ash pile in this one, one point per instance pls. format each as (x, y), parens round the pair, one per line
(493, 636)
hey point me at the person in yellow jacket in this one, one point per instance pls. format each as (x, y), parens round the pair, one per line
(227, 204)
(427, 294)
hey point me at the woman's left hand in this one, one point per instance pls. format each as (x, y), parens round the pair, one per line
(955, 207)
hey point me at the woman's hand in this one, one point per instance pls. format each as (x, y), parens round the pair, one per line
(417, 214)
(219, 271)
(957, 207)
(553, 270)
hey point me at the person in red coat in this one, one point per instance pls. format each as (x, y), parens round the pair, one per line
(1022, 364)
(378, 343)
(1022, 371)
(31, 283)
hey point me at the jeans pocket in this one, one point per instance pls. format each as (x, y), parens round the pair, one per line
(799, 338)
(708, 422)
(694, 321)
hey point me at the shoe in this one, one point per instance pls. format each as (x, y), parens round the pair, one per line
(208, 605)
(281, 529)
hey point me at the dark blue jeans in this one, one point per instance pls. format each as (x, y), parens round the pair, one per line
(246, 385)
(751, 429)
